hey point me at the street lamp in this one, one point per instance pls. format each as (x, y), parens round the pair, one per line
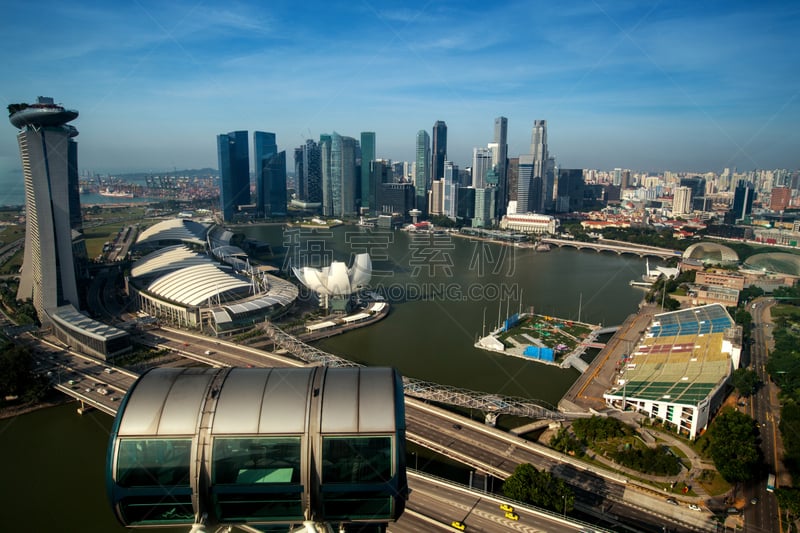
(565, 506)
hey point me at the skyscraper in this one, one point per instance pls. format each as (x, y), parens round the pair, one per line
(234, 172)
(367, 157)
(264, 147)
(742, 202)
(481, 166)
(439, 152)
(49, 156)
(541, 167)
(422, 172)
(338, 175)
(525, 170)
(501, 164)
(308, 172)
(570, 190)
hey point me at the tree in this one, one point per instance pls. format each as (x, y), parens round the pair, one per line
(734, 446)
(745, 381)
(17, 376)
(529, 485)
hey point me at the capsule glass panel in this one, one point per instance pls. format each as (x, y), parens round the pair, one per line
(156, 472)
(357, 477)
(257, 478)
(153, 462)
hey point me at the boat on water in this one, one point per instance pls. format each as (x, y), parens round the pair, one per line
(115, 194)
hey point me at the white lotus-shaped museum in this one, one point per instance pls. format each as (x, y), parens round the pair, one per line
(337, 279)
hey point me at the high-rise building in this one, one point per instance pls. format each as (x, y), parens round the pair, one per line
(570, 190)
(512, 173)
(698, 187)
(341, 182)
(542, 168)
(422, 171)
(234, 172)
(325, 142)
(501, 164)
(396, 198)
(49, 157)
(264, 148)
(450, 190)
(526, 200)
(439, 152)
(367, 157)
(681, 201)
(481, 166)
(308, 172)
(273, 178)
(742, 202)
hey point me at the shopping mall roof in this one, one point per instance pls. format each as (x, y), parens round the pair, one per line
(75, 320)
(199, 284)
(174, 230)
(167, 260)
(681, 358)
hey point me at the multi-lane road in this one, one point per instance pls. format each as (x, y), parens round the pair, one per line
(761, 507)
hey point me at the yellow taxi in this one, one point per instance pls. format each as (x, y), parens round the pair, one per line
(507, 508)
(512, 516)
(458, 525)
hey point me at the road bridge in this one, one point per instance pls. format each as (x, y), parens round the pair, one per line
(617, 247)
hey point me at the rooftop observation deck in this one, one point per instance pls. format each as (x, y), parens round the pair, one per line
(42, 115)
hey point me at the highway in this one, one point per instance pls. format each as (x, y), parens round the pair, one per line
(764, 407)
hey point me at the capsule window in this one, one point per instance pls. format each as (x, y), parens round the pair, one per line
(257, 478)
(153, 462)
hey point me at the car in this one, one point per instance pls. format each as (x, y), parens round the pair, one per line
(458, 525)
(208, 352)
(673, 501)
(754, 501)
(732, 510)
(694, 507)
(512, 516)
(456, 426)
(507, 508)
(107, 370)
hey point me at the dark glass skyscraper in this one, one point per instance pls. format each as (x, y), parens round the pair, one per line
(439, 152)
(49, 156)
(264, 147)
(570, 190)
(742, 202)
(501, 164)
(234, 172)
(308, 172)
(367, 157)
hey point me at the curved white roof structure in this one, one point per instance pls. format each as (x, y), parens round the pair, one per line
(198, 284)
(711, 252)
(337, 279)
(176, 229)
(166, 260)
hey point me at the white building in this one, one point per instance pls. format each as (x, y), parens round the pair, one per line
(529, 223)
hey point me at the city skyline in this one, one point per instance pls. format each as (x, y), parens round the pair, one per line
(648, 87)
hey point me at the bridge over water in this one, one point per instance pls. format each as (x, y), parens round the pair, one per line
(492, 404)
(617, 247)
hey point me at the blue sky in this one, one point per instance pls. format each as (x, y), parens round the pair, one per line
(676, 85)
